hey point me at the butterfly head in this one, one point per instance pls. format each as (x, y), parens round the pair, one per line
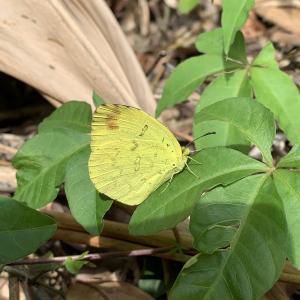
(185, 152)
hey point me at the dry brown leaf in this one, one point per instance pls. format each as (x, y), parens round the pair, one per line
(8, 181)
(4, 291)
(68, 48)
(286, 17)
(106, 291)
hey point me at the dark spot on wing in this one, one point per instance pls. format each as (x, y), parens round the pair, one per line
(163, 139)
(168, 145)
(144, 129)
(137, 163)
(135, 145)
(112, 118)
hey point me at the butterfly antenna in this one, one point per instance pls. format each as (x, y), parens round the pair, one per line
(199, 137)
(189, 169)
(195, 151)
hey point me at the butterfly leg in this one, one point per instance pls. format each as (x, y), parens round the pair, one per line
(189, 169)
(195, 160)
(169, 181)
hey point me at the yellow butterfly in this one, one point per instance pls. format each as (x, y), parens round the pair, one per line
(132, 153)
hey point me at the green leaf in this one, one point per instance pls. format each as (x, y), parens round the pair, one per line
(291, 160)
(266, 58)
(234, 16)
(212, 42)
(73, 115)
(226, 86)
(277, 91)
(22, 230)
(253, 262)
(74, 265)
(188, 75)
(255, 122)
(165, 209)
(185, 6)
(97, 99)
(288, 186)
(85, 203)
(41, 163)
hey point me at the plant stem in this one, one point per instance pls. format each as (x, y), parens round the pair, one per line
(91, 257)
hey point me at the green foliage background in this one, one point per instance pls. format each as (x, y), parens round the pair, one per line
(244, 213)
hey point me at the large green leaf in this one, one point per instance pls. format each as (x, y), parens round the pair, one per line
(257, 247)
(73, 115)
(212, 42)
(22, 230)
(226, 86)
(167, 206)
(235, 13)
(249, 117)
(188, 75)
(277, 91)
(288, 186)
(41, 163)
(86, 205)
(292, 159)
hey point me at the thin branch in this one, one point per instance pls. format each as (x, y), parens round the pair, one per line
(91, 257)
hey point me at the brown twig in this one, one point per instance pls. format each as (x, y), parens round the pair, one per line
(110, 243)
(290, 277)
(91, 257)
(14, 287)
(120, 231)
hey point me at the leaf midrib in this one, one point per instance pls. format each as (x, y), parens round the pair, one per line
(282, 107)
(236, 238)
(41, 174)
(251, 138)
(220, 174)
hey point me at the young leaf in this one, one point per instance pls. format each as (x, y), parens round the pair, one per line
(226, 86)
(22, 230)
(288, 186)
(235, 13)
(85, 203)
(41, 162)
(266, 58)
(97, 99)
(257, 244)
(74, 115)
(185, 6)
(74, 265)
(277, 91)
(212, 42)
(292, 159)
(188, 76)
(256, 122)
(167, 206)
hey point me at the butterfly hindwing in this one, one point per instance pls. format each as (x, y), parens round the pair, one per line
(132, 154)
